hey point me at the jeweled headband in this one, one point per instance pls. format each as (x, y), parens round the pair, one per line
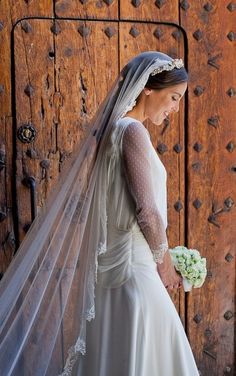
(175, 63)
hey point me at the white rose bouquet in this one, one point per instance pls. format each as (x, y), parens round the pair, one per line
(191, 266)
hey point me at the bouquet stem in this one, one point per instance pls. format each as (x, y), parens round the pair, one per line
(187, 285)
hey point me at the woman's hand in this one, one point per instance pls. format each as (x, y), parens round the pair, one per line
(169, 276)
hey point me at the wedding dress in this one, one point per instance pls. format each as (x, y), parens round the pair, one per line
(137, 330)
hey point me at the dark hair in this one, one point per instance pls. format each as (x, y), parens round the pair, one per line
(166, 79)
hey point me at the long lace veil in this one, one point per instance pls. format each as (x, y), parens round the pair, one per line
(47, 292)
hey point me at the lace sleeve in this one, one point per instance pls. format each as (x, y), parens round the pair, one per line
(137, 168)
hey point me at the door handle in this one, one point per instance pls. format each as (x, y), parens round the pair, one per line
(30, 182)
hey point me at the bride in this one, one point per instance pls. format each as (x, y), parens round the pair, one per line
(87, 293)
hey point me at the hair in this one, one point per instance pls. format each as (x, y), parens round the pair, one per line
(166, 79)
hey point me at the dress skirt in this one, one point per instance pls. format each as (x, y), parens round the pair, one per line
(137, 330)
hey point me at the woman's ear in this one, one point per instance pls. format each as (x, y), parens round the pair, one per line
(147, 91)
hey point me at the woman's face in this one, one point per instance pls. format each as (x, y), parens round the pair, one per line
(160, 103)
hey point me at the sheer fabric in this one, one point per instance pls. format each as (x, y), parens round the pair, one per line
(137, 165)
(47, 293)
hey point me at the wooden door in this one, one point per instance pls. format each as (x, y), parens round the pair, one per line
(62, 68)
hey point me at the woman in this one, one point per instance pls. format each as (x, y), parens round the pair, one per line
(102, 233)
(137, 330)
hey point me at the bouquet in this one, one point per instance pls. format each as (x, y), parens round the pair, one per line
(191, 266)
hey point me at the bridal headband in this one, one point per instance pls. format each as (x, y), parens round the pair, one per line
(175, 63)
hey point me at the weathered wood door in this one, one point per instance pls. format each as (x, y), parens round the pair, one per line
(62, 69)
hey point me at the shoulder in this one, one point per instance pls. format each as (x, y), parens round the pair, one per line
(135, 131)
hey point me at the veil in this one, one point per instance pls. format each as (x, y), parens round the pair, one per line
(47, 292)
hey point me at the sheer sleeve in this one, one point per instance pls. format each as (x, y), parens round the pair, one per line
(137, 169)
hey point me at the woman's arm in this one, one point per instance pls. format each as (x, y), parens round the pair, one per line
(137, 167)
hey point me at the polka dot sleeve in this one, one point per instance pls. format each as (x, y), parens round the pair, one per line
(136, 154)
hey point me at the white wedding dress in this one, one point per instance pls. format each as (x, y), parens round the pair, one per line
(137, 330)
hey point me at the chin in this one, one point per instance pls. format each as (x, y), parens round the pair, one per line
(157, 122)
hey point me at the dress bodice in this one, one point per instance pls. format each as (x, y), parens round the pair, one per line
(159, 176)
(136, 206)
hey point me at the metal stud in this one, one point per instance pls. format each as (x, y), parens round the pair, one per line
(214, 121)
(197, 203)
(166, 123)
(212, 219)
(227, 369)
(208, 7)
(10, 241)
(3, 216)
(231, 92)
(178, 206)
(176, 34)
(134, 32)
(161, 148)
(196, 166)
(197, 318)
(83, 30)
(25, 25)
(229, 257)
(197, 147)
(158, 33)
(136, 3)
(26, 133)
(231, 36)
(230, 146)
(177, 148)
(55, 28)
(229, 202)
(1, 25)
(233, 168)
(198, 34)
(68, 52)
(2, 160)
(29, 90)
(31, 153)
(159, 3)
(208, 332)
(184, 5)
(231, 7)
(26, 227)
(108, 2)
(45, 163)
(228, 315)
(209, 353)
(198, 90)
(212, 61)
(110, 31)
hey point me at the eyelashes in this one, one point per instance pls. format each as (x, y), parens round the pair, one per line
(174, 99)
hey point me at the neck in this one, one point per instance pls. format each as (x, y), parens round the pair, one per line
(136, 115)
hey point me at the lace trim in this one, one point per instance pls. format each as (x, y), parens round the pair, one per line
(130, 106)
(80, 346)
(74, 351)
(158, 254)
(90, 313)
(175, 63)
